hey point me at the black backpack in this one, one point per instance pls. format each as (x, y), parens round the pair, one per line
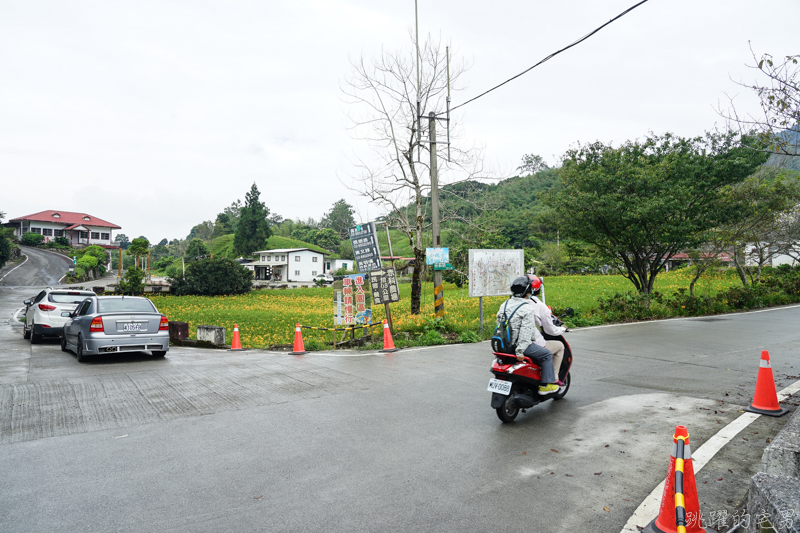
(501, 340)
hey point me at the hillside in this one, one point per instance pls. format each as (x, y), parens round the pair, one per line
(223, 246)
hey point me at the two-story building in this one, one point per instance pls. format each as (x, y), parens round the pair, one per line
(80, 229)
(288, 264)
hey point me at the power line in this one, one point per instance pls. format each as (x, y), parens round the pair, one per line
(552, 55)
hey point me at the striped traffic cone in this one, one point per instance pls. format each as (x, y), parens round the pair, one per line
(388, 343)
(299, 349)
(680, 507)
(765, 400)
(235, 343)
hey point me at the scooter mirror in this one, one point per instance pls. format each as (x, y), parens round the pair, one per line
(569, 311)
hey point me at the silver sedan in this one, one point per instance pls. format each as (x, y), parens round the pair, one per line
(114, 324)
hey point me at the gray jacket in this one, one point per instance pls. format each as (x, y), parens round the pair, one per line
(523, 323)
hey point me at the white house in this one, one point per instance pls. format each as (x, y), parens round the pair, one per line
(288, 264)
(80, 229)
(332, 265)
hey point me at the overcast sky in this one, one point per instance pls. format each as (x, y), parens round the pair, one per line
(156, 115)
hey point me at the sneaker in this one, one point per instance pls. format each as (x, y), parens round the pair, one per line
(547, 389)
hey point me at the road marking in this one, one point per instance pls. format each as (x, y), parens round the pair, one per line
(648, 509)
(16, 267)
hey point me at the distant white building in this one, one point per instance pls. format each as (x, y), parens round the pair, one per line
(288, 264)
(332, 265)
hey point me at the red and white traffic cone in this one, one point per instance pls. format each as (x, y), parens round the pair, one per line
(674, 505)
(388, 343)
(765, 400)
(299, 349)
(235, 343)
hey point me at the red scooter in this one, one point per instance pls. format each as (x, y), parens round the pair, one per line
(515, 386)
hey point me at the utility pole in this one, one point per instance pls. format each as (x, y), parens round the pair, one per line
(438, 292)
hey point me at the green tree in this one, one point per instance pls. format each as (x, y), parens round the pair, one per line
(222, 226)
(253, 229)
(643, 202)
(132, 281)
(532, 164)
(234, 212)
(213, 277)
(327, 238)
(139, 248)
(5, 244)
(162, 242)
(339, 218)
(123, 241)
(197, 250)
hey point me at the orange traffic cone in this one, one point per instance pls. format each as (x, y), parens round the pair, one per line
(299, 349)
(765, 400)
(388, 343)
(680, 510)
(235, 344)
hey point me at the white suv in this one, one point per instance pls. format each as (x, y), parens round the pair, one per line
(43, 313)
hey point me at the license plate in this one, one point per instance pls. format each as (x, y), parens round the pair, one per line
(499, 386)
(132, 326)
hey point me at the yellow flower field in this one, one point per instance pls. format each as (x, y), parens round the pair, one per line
(268, 317)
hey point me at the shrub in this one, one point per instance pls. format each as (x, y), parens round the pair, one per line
(32, 239)
(132, 282)
(212, 277)
(88, 262)
(61, 241)
(469, 336)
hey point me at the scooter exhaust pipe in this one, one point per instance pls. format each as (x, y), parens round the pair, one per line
(524, 401)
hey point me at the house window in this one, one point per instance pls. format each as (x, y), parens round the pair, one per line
(47, 232)
(95, 235)
(328, 265)
(59, 233)
(296, 258)
(56, 215)
(36, 230)
(84, 234)
(314, 259)
(296, 272)
(263, 257)
(269, 257)
(313, 272)
(344, 266)
(283, 258)
(105, 236)
(86, 218)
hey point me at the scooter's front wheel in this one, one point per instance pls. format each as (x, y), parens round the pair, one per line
(508, 411)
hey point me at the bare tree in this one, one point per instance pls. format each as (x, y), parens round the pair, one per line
(382, 108)
(779, 95)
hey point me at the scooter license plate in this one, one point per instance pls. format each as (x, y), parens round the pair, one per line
(499, 386)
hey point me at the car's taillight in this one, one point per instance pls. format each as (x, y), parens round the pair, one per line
(45, 307)
(97, 324)
(164, 325)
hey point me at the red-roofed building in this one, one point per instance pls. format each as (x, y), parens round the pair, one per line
(79, 228)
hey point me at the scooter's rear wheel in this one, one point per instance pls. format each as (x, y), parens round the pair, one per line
(508, 411)
(563, 392)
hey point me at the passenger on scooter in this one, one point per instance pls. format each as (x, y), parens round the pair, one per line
(529, 341)
(544, 320)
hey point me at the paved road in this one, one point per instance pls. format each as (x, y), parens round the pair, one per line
(42, 268)
(256, 441)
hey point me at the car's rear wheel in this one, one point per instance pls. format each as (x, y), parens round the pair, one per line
(35, 339)
(79, 351)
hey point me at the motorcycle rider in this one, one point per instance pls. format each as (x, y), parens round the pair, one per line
(530, 312)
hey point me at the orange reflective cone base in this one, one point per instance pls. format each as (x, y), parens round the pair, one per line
(675, 508)
(235, 343)
(765, 400)
(299, 349)
(388, 343)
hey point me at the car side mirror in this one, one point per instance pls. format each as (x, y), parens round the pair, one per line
(27, 302)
